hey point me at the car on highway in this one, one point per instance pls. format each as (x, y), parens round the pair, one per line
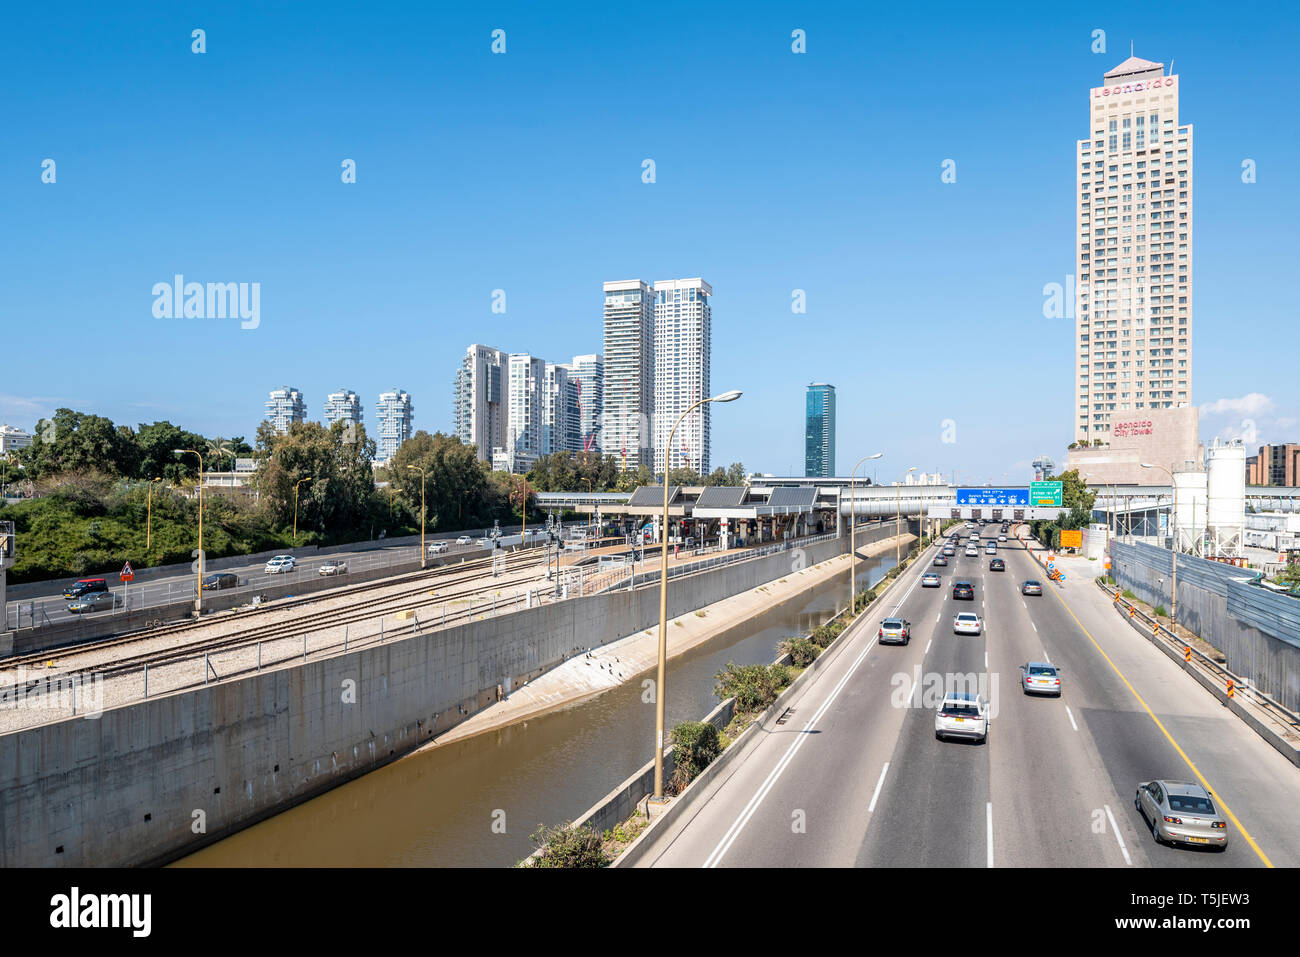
(220, 580)
(930, 580)
(962, 715)
(1002, 538)
(894, 631)
(997, 565)
(333, 566)
(967, 623)
(1031, 587)
(93, 601)
(950, 550)
(464, 540)
(438, 548)
(972, 551)
(992, 549)
(281, 563)
(940, 561)
(1181, 812)
(85, 586)
(1040, 677)
(963, 590)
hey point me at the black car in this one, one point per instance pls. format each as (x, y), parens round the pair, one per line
(964, 590)
(997, 565)
(220, 580)
(85, 586)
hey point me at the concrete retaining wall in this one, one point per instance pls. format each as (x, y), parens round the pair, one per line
(1257, 631)
(132, 786)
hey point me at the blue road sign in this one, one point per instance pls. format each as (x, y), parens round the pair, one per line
(993, 496)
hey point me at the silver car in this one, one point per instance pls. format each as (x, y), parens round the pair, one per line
(894, 631)
(962, 715)
(1040, 677)
(1180, 812)
(94, 601)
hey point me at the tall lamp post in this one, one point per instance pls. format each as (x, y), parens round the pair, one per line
(198, 565)
(295, 507)
(148, 522)
(731, 396)
(853, 525)
(1173, 544)
(898, 520)
(424, 555)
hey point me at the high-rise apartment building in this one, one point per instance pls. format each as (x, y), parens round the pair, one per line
(479, 400)
(588, 372)
(284, 407)
(629, 389)
(682, 350)
(1133, 316)
(819, 430)
(1274, 465)
(525, 388)
(343, 406)
(560, 421)
(395, 412)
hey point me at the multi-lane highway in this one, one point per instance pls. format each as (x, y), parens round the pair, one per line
(855, 775)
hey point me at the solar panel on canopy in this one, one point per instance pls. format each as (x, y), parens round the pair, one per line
(722, 496)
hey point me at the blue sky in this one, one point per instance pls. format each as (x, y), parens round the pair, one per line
(522, 172)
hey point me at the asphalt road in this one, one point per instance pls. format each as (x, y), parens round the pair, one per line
(856, 776)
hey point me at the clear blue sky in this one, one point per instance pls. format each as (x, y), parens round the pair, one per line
(522, 171)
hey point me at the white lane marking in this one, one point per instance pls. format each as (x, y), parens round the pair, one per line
(1069, 714)
(1045, 658)
(927, 647)
(988, 815)
(986, 661)
(937, 616)
(872, 806)
(1033, 626)
(1118, 836)
(748, 811)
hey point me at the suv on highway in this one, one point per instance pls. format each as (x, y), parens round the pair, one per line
(894, 631)
(997, 565)
(437, 548)
(962, 715)
(464, 540)
(963, 590)
(85, 586)
(333, 566)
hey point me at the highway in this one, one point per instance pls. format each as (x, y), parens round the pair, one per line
(855, 777)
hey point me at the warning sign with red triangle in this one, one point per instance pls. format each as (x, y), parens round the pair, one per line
(127, 573)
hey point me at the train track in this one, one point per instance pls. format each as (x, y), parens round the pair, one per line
(467, 572)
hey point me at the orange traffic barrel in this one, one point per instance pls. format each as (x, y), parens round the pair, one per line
(1232, 693)
(1187, 652)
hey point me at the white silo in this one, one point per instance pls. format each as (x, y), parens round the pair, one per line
(1226, 513)
(1190, 513)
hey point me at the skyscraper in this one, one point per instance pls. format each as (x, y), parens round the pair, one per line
(525, 405)
(284, 407)
(1133, 319)
(395, 411)
(343, 405)
(819, 430)
(629, 372)
(560, 423)
(589, 373)
(682, 351)
(479, 400)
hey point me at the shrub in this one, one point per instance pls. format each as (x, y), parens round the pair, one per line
(1160, 612)
(695, 744)
(1127, 593)
(566, 846)
(802, 651)
(753, 686)
(823, 635)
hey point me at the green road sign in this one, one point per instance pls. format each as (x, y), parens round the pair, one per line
(1045, 494)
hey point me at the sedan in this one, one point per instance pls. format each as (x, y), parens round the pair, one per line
(220, 580)
(1040, 677)
(968, 623)
(930, 580)
(1031, 587)
(963, 590)
(464, 540)
(281, 563)
(1180, 812)
(94, 601)
(940, 561)
(962, 715)
(949, 551)
(333, 566)
(1002, 538)
(894, 631)
(997, 565)
(438, 548)
(972, 551)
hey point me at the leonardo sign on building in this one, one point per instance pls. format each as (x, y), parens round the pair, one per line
(1164, 437)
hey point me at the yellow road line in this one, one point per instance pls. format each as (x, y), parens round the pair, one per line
(1183, 754)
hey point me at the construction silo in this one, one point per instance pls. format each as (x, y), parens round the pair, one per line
(1226, 514)
(1191, 507)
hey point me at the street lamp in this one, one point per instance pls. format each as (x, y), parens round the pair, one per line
(731, 396)
(1173, 545)
(198, 565)
(898, 520)
(853, 526)
(148, 522)
(423, 553)
(295, 507)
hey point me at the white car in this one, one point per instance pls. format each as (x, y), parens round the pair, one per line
(991, 548)
(972, 551)
(967, 623)
(281, 563)
(464, 540)
(1002, 538)
(962, 715)
(437, 548)
(333, 566)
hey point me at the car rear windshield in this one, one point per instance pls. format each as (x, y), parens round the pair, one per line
(961, 711)
(1190, 804)
(967, 617)
(893, 623)
(1042, 670)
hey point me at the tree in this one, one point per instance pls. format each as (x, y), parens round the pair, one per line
(457, 490)
(339, 496)
(154, 450)
(77, 442)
